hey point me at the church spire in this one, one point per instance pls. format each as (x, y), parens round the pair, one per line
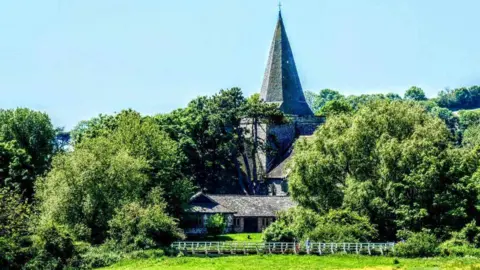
(281, 83)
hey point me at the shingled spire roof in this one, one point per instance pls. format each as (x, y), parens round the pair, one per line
(281, 83)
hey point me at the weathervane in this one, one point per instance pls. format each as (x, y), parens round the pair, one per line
(279, 6)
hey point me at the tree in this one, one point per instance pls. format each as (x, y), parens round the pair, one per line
(215, 225)
(415, 93)
(317, 101)
(391, 161)
(15, 218)
(27, 144)
(122, 165)
(210, 132)
(256, 113)
(136, 226)
(334, 107)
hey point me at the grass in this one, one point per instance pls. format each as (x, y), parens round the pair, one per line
(286, 262)
(240, 237)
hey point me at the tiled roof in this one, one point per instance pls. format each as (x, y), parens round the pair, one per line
(241, 205)
(281, 83)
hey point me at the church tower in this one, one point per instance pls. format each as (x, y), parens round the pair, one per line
(281, 85)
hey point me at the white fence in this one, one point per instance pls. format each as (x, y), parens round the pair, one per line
(282, 248)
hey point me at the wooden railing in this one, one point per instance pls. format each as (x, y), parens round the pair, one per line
(282, 248)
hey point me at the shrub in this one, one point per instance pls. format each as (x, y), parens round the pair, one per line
(53, 246)
(420, 244)
(135, 227)
(458, 247)
(342, 226)
(278, 232)
(216, 225)
(334, 226)
(470, 233)
(14, 252)
(100, 256)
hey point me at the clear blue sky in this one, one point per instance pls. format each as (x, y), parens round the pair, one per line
(75, 59)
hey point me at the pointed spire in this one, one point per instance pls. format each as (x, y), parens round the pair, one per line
(281, 83)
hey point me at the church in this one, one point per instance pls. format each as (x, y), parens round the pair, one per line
(281, 85)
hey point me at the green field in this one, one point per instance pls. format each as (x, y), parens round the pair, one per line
(285, 262)
(239, 237)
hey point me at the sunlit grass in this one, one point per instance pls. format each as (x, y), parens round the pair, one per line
(240, 237)
(296, 262)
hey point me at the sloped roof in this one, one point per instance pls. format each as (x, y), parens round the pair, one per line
(281, 83)
(281, 170)
(241, 205)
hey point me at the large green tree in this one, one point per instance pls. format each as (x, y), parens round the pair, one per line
(391, 161)
(118, 166)
(27, 145)
(218, 145)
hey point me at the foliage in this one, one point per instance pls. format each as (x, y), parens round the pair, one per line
(458, 248)
(87, 185)
(421, 244)
(317, 101)
(468, 118)
(135, 227)
(460, 98)
(333, 226)
(216, 225)
(54, 247)
(343, 226)
(15, 216)
(391, 161)
(471, 136)
(415, 93)
(210, 133)
(278, 232)
(334, 107)
(27, 144)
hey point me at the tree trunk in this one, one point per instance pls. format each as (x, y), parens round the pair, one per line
(254, 151)
(240, 174)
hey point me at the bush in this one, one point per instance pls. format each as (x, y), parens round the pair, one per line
(278, 232)
(470, 233)
(421, 244)
(95, 257)
(216, 225)
(14, 252)
(334, 226)
(459, 248)
(135, 227)
(342, 226)
(53, 246)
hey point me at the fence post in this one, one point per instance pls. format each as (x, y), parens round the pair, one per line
(369, 252)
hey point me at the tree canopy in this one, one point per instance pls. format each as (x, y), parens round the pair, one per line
(392, 161)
